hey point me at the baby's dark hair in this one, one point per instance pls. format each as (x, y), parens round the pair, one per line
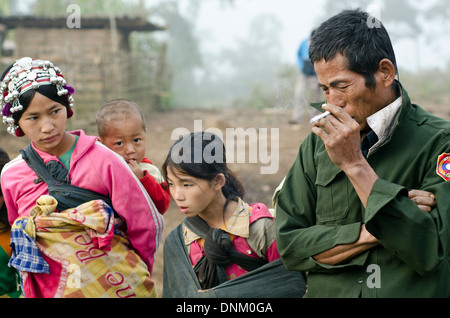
(202, 155)
(116, 109)
(4, 159)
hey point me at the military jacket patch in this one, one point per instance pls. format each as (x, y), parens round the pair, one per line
(443, 166)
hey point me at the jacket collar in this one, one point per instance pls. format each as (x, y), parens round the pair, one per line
(238, 224)
(83, 144)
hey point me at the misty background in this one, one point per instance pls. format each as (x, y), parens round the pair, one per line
(242, 53)
(238, 55)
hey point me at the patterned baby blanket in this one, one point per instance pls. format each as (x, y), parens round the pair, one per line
(75, 253)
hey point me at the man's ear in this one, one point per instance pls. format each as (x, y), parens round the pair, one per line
(386, 71)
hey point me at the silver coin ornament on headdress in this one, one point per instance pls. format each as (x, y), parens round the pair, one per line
(25, 74)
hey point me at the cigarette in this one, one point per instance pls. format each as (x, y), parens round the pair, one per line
(319, 117)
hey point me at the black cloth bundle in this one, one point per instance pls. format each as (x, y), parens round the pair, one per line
(271, 280)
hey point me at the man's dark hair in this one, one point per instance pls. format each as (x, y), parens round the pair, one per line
(359, 37)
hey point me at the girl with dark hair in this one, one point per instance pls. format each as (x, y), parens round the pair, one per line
(223, 236)
(35, 101)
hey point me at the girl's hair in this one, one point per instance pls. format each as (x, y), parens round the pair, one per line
(4, 159)
(202, 155)
(48, 91)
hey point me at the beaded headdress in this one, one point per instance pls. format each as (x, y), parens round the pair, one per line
(25, 74)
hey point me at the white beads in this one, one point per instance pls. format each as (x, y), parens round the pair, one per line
(26, 74)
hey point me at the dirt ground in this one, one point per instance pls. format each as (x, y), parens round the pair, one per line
(259, 187)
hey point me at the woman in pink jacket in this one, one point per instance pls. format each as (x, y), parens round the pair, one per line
(36, 102)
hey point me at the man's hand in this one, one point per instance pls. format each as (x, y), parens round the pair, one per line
(342, 138)
(341, 135)
(425, 200)
(341, 253)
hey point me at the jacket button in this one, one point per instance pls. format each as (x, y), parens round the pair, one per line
(360, 280)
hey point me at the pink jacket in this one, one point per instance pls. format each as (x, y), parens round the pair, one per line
(95, 167)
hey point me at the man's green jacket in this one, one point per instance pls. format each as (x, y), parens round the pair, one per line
(317, 209)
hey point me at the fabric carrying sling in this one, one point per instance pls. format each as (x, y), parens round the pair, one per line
(47, 244)
(219, 252)
(271, 280)
(56, 178)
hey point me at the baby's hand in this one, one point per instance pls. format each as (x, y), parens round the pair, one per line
(136, 169)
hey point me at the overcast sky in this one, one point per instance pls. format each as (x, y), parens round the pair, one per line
(224, 24)
(298, 17)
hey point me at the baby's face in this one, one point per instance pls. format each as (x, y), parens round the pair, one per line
(126, 137)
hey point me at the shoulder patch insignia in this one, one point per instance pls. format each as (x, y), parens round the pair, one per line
(443, 166)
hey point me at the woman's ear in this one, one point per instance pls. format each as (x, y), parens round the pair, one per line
(386, 70)
(219, 181)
